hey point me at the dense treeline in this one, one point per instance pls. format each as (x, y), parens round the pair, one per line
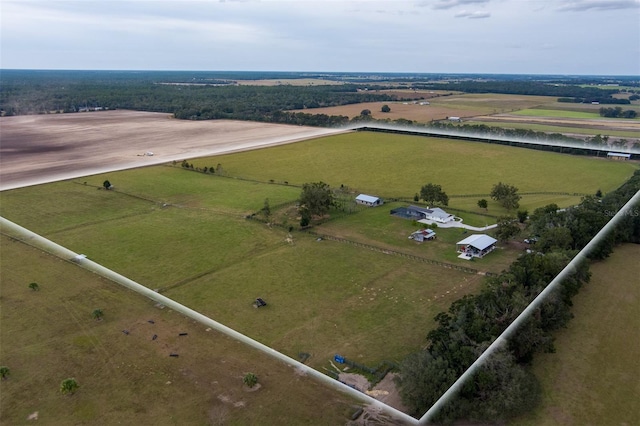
(504, 386)
(617, 112)
(196, 102)
(522, 88)
(596, 99)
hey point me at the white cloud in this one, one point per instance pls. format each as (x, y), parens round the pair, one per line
(586, 5)
(472, 15)
(448, 4)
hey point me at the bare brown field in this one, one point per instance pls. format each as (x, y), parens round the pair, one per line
(442, 105)
(44, 148)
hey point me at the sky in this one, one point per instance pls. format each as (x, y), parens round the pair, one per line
(576, 37)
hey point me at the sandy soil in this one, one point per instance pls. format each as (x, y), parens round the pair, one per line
(44, 148)
(384, 391)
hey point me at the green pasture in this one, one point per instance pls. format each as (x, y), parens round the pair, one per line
(49, 335)
(177, 248)
(556, 113)
(548, 128)
(492, 103)
(528, 202)
(593, 376)
(326, 297)
(398, 165)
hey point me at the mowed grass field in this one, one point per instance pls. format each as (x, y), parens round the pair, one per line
(592, 379)
(217, 262)
(398, 165)
(49, 335)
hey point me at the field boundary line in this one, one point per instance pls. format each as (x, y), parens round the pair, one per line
(25, 236)
(402, 254)
(220, 268)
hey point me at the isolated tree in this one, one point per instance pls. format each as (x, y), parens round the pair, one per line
(522, 215)
(250, 380)
(507, 228)
(385, 108)
(266, 209)
(69, 386)
(483, 204)
(365, 112)
(506, 195)
(305, 216)
(317, 198)
(416, 197)
(97, 314)
(34, 286)
(106, 184)
(4, 372)
(599, 193)
(433, 194)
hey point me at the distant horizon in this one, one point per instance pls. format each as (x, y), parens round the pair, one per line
(401, 73)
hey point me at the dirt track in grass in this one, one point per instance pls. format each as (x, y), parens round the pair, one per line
(36, 149)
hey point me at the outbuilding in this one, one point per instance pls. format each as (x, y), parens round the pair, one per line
(477, 245)
(423, 235)
(369, 200)
(618, 156)
(434, 214)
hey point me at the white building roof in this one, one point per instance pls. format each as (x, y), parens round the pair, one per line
(438, 212)
(479, 241)
(618, 154)
(367, 198)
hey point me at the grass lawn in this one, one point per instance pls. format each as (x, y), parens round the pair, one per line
(49, 335)
(556, 113)
(593, 376)
(493, 103)
(326, 297)
(398, 165)
(377, 227)
(528, 202)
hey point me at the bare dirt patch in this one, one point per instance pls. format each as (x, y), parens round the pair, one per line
(43, 148)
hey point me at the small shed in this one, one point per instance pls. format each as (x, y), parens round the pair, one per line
(477, 245)
(618, 156)
(423, 235)
(369, 200)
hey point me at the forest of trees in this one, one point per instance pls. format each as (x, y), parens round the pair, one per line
(504, 386)
(23, 93)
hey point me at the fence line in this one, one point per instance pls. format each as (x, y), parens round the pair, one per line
(32, 239)
(402, 254)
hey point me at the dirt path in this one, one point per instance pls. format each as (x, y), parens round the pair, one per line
(43, 148)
